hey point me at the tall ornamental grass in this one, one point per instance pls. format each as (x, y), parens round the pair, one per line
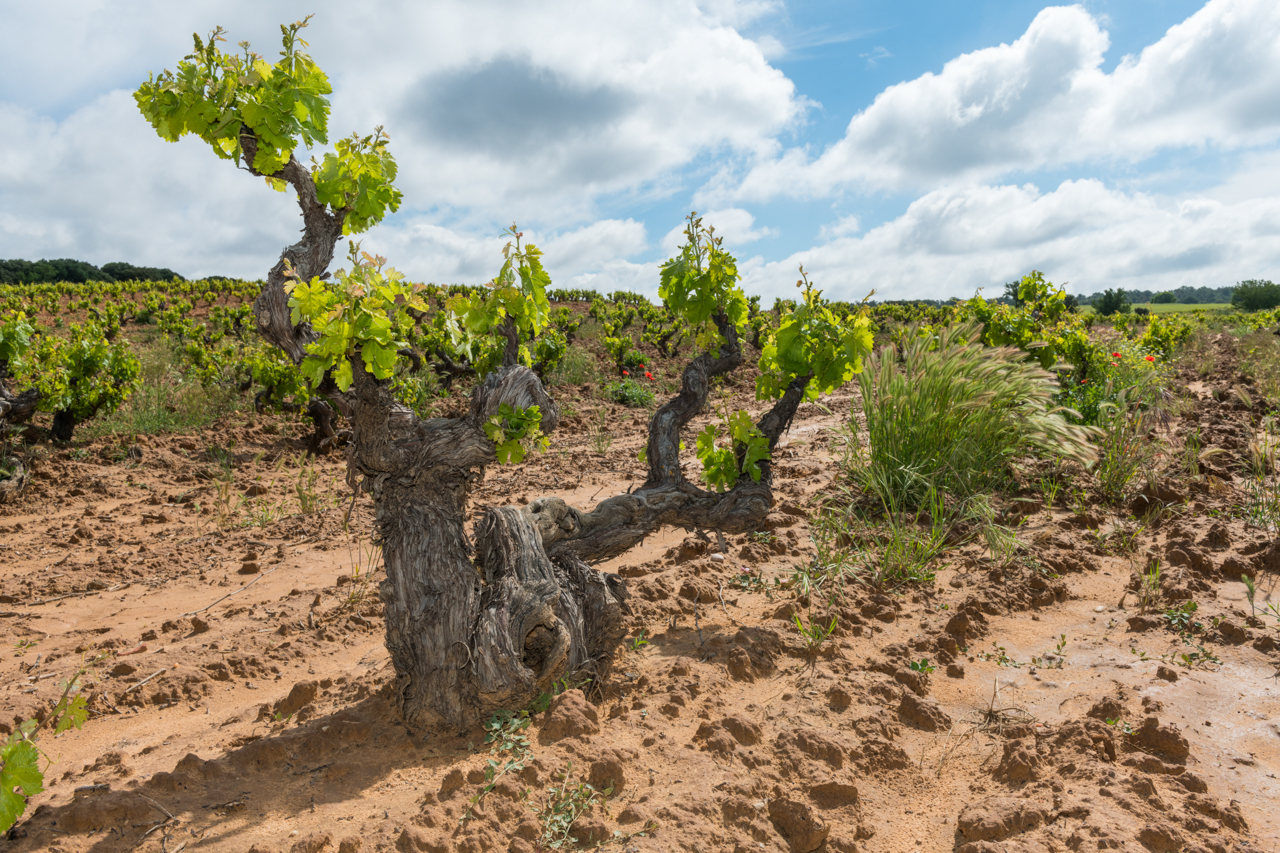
(947, 413)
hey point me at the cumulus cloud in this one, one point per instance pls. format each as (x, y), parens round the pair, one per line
(1044, 101)
(952, 241)
(562, 103)
(842, 227)
(101, 187)
(448, 256)
(497, 111)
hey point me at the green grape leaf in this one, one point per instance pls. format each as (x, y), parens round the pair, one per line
(74, 715)
(21, 770)
(342, 375)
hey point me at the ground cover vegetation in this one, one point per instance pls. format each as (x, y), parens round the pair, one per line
(876, 490)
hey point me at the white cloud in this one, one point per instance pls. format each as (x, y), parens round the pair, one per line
(842, 227)
(497, 111)
(952, 241)
(446, 256)
(561, 103)
(1043, 101)
(99, 186)
(875, 56)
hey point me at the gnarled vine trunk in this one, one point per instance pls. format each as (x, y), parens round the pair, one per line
(474, 629)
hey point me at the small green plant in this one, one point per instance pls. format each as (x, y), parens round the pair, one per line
(20, 773)
(898, 552)
(505, 735)
(1125, 449)
(601, 435)
(1123, 726)
(1201, 657)
(1263, 448)
(1149, 591)
(1182, 617)
(921, 665)
(1055, 660)
(563, 805)
(24, 646)
(1261, 505)
(638, 642)
(1000, 655)
(1049, 488)
(629, 393)
(263, 513)
(1250, 591)
(814, 633)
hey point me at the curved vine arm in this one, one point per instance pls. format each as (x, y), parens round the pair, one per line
(667, 498)
(309, 257)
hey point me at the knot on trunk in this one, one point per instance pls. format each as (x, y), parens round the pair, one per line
(520, 645)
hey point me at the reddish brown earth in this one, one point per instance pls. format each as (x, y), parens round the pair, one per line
(243, 699)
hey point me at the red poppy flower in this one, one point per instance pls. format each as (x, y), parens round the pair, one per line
(1115, 355)
(1151, 358)
(1115, 364)
(626, 373)
(648, 375)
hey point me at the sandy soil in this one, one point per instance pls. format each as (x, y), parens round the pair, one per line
(243, 698)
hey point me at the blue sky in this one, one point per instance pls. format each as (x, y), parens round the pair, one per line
(921, 149)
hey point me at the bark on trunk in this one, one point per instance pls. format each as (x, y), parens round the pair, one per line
(17, 408)
(466, 641)
(309, 257)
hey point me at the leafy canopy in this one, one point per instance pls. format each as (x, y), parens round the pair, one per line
(362, 311)
(701, 282)
(83, 374)
(1042, 324)
(812, 341)
(518, 293)
(720, 464)
(220, 97)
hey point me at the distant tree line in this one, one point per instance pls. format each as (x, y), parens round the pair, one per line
(68, 269)
(1255, 295)
(1251, 295)
(1183, 295)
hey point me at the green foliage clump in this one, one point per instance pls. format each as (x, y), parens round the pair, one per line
(514, 432)
(811, 341)
(216, 95)
(631, 393)
(82, 376)
(358, 313)
(949, 414)
(1255, 295)
(1164, 333)
(723, 464)
(16, 330)
(1167, 297)
(702, 282)
(516, 298)
(1112, 302)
